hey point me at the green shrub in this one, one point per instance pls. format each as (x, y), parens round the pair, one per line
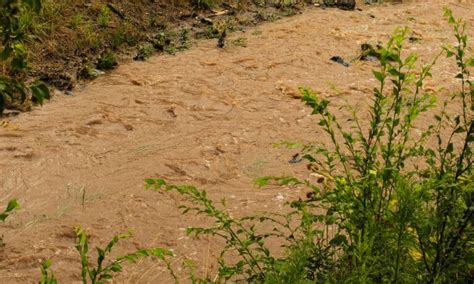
(107, 61)
(125, 33)
(144, 52)
(401, 207)
(104, 17)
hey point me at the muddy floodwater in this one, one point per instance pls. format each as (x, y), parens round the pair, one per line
(207, 117)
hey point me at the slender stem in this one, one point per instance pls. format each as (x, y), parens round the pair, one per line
(423, 252)
(399, 241)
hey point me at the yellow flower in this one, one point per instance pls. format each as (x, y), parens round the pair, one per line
(415, 254)
(393, 204)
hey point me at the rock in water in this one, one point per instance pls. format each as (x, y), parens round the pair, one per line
(339, 60)
(221, 41)
(346, 4)
(341, 4)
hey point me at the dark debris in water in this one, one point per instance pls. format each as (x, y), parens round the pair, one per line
(296, 159)
(370, 51)
(222, 38)
(348, 5)
(369, 58)
(339, 60)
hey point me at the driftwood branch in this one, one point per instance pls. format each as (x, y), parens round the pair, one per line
(116, 11)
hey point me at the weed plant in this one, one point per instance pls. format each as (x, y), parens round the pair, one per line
(144, 52)
(12, 205)
(104, 17)
(103, 271)
(107, 61)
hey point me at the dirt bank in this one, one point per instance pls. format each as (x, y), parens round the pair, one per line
(205, 116)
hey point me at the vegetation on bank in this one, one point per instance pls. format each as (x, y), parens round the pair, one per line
(61, 42)
(13, 88)
(68, 41)
(390, 205)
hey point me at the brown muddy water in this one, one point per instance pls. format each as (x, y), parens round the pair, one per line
(207, 117)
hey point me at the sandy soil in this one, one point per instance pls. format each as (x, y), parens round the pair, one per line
(206, 117)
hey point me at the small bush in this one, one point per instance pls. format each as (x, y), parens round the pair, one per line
(77, 21)
(144, 52)
(107, 61)
(104, 17)
(125, 33)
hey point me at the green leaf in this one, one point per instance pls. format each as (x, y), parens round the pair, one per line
(13, 204)
(106, 276)
(378, 75)
(449, 53)
(20, 49)
(34, 4)
(155, 184)
(470, 62)
(394, 72)
(116, 267)
(459, 130)
(470, 139)
(450, 148)
(18, 63)
(262, 181)
(46, 264)
(7, 51)
(338, 240)
(411, 59)
(3, 216)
